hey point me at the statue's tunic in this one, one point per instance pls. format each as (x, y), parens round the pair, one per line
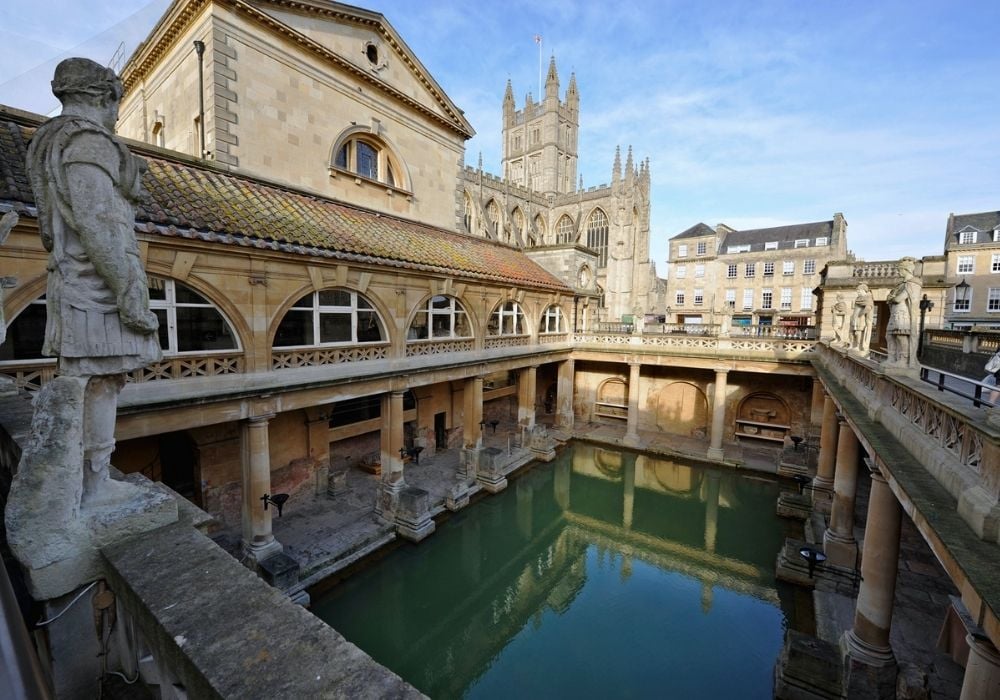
(84, 328)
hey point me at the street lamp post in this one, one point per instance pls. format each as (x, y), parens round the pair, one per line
(925, 306)
(961, 297)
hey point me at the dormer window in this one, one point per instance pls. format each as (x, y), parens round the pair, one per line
(822, 240)
(771, 245)
(802, 243)
(968, 236)
(996, 235)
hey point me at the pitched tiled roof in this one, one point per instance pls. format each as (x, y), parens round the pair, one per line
(785, 236)
(695, 231)
(203, 203)
(986, 221)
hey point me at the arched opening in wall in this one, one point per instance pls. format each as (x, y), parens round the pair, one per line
(366, 155)
(551, 394)
(493, 214)
(764, 417)
(612, 399)
(507, 319)
(330, 317)
(541, 229)
(179, 464)
(520, 227)
(467, 218)
(682, 409)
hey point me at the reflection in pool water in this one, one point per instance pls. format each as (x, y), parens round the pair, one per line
(602, 574)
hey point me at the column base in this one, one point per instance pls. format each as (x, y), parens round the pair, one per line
(716, 453)
(869, 671)
(840, 551)
(490, 474)
(632, 440)
(254, 553)
(413, 517)
(794, 505)
(458, 497)
(387, 500)
(982, 672)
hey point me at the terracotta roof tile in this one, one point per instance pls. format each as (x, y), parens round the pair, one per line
(199, 202)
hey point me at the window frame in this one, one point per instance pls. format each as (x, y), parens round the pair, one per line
(993, 300)
(552, 315)
(808, 267)
(787, 267)
(731, 271)
(319, 309)
(502, 311)
(965, 265)
(768, 269)
(389, 169)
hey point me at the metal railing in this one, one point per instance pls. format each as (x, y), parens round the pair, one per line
(979, 393)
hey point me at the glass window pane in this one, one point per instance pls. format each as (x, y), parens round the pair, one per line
(334, 297)
(364, 303)
(296, 329)
(335, 328)
(157, 289)
(305, 302)
(367, 160)
(162, 332)
(341, 160)
(441, 325)
(186, 295)
(201, 329)
(25, 335)
(418, 330)
(369, 329)
(440, 303)
(462, 327)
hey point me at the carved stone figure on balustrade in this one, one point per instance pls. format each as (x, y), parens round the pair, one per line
(86, 185)
(861, 320)
(840, 323)
(903, 302)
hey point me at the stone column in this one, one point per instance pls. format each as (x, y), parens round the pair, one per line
(869, 660)
(564, 389)
(817, 404)
(715, 450)
(526, 400)
(823, 482)
(982, 671)
(839, 545)
(258, 540)
(632, 429)
(392, 482)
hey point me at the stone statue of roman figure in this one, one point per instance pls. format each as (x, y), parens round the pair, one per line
(861, 320)
(840, 322)
(86, 185)
(903, 301)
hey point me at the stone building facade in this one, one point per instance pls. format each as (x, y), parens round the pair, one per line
(972, 250)
(763, 277)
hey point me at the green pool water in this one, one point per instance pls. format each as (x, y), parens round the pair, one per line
(600, 575)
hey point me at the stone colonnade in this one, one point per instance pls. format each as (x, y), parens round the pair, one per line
(869, 662)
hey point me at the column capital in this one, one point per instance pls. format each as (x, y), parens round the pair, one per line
(722, 370)
(262, 418)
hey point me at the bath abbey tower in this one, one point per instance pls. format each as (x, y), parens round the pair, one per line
(585, 236)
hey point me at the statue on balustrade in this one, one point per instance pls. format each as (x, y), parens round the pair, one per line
(840, 323)
(861, 320)
(903, 304)
(63, 503)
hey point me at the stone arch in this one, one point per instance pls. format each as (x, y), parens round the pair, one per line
(760, 409)
(682, 409)
(387, 151)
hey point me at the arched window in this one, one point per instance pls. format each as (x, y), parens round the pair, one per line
(519, 227)
(368, 157)
(330, 317)
(540, 228)
(189, 323)
(468, 213)
(493, 212)
(440, 317)
(597, 236)
(564, 230)
(552, 321)
(507, 319)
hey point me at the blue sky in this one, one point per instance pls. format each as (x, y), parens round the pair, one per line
(752, 113)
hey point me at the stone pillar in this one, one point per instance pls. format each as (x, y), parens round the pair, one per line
(869, 662)
(817, 404)
(823, 482)
(258, 540)
(564, 389)
(982, 671)
(526, 392)
(715, 450)
(632, 429)
(839, 545)
(472, 410)
(392, 482)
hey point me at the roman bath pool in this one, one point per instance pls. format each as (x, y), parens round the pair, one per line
(601, 574)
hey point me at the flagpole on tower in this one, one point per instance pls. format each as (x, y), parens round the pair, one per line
(538, 40)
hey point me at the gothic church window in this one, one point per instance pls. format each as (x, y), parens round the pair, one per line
(330, 317)
(540, 227)
(468, 213)
(597, 236)
(519, 227)
(564, 230)
(493, 212)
